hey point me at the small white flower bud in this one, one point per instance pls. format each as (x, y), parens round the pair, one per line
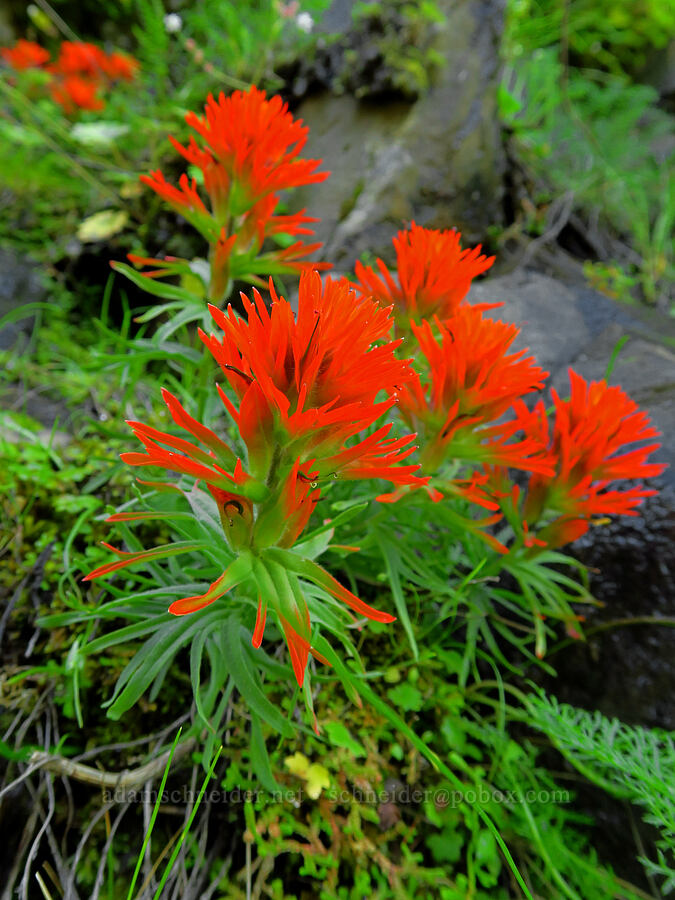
(304, 22)
(172, 23)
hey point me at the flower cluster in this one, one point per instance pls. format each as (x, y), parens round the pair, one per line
(465, 403)
(25, 55)
(312, 391)
(78, 76)
(247, 149)
(472, 382)
(303, 390)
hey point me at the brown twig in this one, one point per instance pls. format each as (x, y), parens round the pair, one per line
(127, 778)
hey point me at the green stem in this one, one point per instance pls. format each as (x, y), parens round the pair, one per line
(615, 623)
(543, 853)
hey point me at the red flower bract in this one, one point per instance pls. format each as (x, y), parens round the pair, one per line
(247, 151)
(80, 58)
(120, 67)
(254, 141)
(591, 430)
(310, 383)
(74, 93)
(25, 55)
(473, 381)
(434, 274)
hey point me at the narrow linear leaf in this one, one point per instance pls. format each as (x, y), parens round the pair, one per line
(244, 677)
(260, 760)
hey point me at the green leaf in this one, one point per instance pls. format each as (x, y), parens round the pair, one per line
(246, 678)
(340, 519)
(453, 733)
(158, 288)
(446, 847)
(260, 760)
(20, 755)
(154, 656)
(102, 225)
(339, 736)
(184, 317)
(406, 697)
(390, 556)
(314, 546)
(22, 312)
(153, 312)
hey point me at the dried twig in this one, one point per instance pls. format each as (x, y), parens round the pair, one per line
(32, 853)
(559, 215)
(100, 874)
(127, 778)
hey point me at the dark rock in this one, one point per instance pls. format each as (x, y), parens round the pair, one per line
(20, 284)
(627, 670)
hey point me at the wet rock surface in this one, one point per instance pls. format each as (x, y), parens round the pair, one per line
(439, 161)
(20, 284)
(625, 668)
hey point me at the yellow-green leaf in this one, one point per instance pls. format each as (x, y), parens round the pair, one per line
(297, 764)
(102, 225)
(317, 778)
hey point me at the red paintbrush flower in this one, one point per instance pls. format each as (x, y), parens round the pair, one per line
(473, 381)
(185, 200)
(252, 143)
(120, 67)
(591, 432)
(307, 385)
(82, 70)
(434, 274)
(80, 58)
(25, 55)
(249, 151)
(73, 93)
(259, 520)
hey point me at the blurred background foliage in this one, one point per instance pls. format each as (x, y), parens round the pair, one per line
(587, 97)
